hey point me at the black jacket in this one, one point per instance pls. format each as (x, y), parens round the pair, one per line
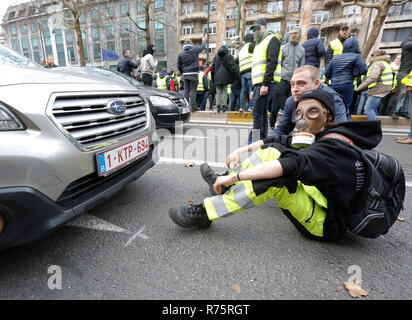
(126, 65)
(334, 168)
(223, 67)
(188, 59)
(406, 58)
(314, 48)
(236, 81)
(329, 51)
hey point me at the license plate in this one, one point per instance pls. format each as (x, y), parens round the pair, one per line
(185, 110)
(110, 160)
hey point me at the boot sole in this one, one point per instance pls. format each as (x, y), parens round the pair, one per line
(174, 215)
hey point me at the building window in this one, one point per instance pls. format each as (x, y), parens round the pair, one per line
(97, 52)
(188, 29)
(95, 13)
(25, 46)
(291, 24)
(125, 29)
(44, 24)
(33, 27)
(188, 8)
(12, 15)
(70, 46)
(15, 44)
(318, 16)
(111, 46)
(275, 6)
(404, 9)
(109, 10)
(159, 4)
(396, 35)
(142, 43)
(212, 47)
(13, 30)
(158, 25)
(140, 8)
(60, 48)
(125, 44)
(275, 26)
(231, 32)
(95, 34)
(23, 29)
(251, 10)
(231, 13)
(212, 28)
(350, 11)
(84, 39)
(294, 5)
(213, 6)
(124, 7)
(109, 32)
(36, 49)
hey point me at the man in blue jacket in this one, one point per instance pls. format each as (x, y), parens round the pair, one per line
(314, 48)
(126, 65)
(304, 79)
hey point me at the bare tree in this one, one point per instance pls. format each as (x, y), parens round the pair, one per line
(382, 6)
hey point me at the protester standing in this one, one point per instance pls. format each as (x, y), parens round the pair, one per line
(266, 74)
(222, 69)
(342, 68)
(202, 89)
(126, 65)
(148, 65)
(236, 88)
(407, 81)
(188, 65)
(314, 48)
(336, 46)
(163, 81)
(378, 81)
(245, 68)
(50, 62)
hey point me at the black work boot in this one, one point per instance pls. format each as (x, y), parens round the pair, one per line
(191, 215)
(210, 176)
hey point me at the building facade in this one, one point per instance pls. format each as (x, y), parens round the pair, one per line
(194, 17)
(39, 31)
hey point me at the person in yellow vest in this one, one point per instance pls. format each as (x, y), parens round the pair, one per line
(407, 81)
(202, 89)
(336, 46)
(163, 80)
(245, 68)
(378, 81)
(266, 75)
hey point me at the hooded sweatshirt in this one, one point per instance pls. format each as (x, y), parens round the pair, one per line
(314, 48)
(293, 57)
(343, 67)
(188, 59)
(377, 67)
(223, 67)
(335, 169)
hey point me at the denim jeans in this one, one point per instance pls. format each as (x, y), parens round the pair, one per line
(361, 101)
(400, 89)
(234, 98)
(346, 90)
(371, 107)
(246, 79)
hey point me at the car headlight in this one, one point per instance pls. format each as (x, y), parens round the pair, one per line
(161, 102)
(8, 121)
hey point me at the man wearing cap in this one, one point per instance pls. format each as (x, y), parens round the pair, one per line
(336, 46)
(266, 73)
(317, 186)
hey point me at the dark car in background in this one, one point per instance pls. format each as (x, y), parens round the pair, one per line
(167, 107)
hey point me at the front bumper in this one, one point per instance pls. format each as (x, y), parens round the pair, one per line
(30, 215)
(168, 120)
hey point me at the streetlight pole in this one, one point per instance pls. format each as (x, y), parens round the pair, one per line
(207, 43)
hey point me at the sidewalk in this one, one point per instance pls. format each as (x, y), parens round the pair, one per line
(245, 118)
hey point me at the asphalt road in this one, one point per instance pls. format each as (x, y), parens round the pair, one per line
(128, 248)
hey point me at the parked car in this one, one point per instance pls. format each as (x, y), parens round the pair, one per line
(167, 107)
(68, 142)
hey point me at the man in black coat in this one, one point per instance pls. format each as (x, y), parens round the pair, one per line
(126, 65)
(404, 69)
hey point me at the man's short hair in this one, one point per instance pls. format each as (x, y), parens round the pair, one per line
(187, 41)
(313, 71)
(125, 51)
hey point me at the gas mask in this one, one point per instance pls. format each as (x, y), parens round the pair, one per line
(310, 118)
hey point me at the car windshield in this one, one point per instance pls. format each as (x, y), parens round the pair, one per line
(11, 57)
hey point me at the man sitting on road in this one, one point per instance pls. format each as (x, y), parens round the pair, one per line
(307, 183)
(304, 79)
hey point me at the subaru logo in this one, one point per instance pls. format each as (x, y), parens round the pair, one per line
(116, 107)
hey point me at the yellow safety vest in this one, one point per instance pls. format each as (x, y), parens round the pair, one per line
(259, 61)
(407, 81)
(337, 46)
(200, 86)
(245, 58)
(386, 76)
(162, 83)
(229, 89)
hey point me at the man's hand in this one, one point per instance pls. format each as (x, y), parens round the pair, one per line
(263, 90)
(233, 157)
(204, 38)
(224, 181)
(251, 95)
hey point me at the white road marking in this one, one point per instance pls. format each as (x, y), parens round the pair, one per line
(409, 184)
(88, 221)
(186, 161)
(137, 234)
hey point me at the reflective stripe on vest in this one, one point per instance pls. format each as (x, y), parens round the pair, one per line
(200, 86)
(161, 83)
(407, 81)
(337, 46)
(385, 77)
(259, 61)
(245, 58)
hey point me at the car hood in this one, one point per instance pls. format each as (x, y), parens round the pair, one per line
(15, 75)
(150, 91)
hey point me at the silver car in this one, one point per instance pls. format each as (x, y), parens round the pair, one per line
(67, 143)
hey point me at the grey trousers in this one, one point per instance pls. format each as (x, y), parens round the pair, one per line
(190, 82)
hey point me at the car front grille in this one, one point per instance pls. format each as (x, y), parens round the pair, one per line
(89, 123)
(180, 102)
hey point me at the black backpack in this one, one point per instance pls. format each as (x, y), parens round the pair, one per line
(383, 199)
